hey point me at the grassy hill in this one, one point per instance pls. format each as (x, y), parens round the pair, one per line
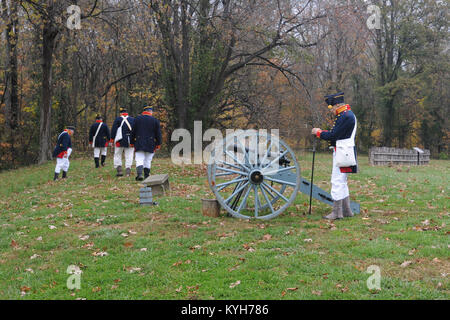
(94, 221)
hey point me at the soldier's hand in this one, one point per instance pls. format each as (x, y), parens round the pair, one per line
(158, 147)
(314, 131)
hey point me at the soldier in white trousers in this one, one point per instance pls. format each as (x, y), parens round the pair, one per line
(62, 152)
(342, 138)
(146, 137)
(121, 137)
(99, 137)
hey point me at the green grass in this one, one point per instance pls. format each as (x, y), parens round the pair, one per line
(189, 256)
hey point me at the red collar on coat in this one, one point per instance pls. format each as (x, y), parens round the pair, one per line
(342, 109)
(146, 113)
(98, 121)
(124, 114)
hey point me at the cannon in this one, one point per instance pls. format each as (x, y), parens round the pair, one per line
(254, 175)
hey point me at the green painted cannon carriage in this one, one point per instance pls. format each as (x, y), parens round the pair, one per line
(256, 175)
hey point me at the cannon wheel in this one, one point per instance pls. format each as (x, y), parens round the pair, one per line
(247, 186)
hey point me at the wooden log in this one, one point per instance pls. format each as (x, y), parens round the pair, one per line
(210, 208)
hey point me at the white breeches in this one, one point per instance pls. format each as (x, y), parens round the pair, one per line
(129, 153)
(98, 150)
(63, 163)
(144, 159)
(339, 188)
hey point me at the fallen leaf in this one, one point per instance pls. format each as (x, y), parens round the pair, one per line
(436, 260)
(235, 284)
(52, 227)
(99, 254)
(34, 256)
(317, 293)
(25, 289)
(128, 244)
(96, 289)
(405, 264)
(14, 244)
(308, 240)
(267, 237)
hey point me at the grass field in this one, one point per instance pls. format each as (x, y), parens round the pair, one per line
(93, 220)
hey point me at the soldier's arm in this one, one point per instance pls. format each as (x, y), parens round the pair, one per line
(133, 131)
(114, 131)
(339, 129)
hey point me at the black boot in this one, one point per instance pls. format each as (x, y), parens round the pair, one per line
(56, 176)
(139, 173)
(128, 172)
(97, 164)
(103, 160)
(64, 175)
(119, 172)
(146, 173)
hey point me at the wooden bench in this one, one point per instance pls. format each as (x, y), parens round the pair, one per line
(159, 184)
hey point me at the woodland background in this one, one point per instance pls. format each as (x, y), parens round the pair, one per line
(230, 63)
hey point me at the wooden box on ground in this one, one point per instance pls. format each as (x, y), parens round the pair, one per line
(159, 184)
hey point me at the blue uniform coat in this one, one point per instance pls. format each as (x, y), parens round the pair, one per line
(126, 132)
(103, 135)
(342, 129)
(64, 143)
(146, 133)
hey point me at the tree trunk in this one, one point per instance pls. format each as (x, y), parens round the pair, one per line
(49, 34)
(11, 94)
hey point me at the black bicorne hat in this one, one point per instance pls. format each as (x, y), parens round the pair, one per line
(334, 99)
(98, 116)
(147, 107)
(123, 109)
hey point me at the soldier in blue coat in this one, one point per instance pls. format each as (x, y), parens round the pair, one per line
(146, 137)
(121, 137)
(62, 152)
(99, 137)
(342, 133)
